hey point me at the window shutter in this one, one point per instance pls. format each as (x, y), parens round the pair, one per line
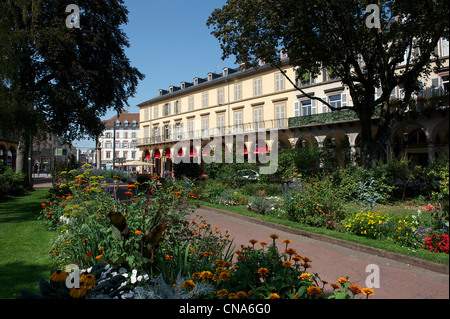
(344, 99)
(314, 107)
(324, 106)
(296, 108)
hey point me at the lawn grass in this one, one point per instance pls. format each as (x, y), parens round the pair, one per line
(384, 245)
(24, 245)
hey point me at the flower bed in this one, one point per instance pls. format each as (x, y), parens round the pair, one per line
(145, 246)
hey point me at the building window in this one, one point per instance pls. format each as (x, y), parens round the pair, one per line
(179, 130)
(108, 135)
(108, 154)
(339, 100)
(220, 98)
(237, 92)
(133, 134)
(117, 134)
(258, 118)
(125, 154)
(279, 82)
(191, 103)
(166, 110)
(205, 99)
(238, 122)
(133, 155)
(306, 108)
(134, 123)
(166, 132)
(125, 134)
(256, 87)
(108, 145)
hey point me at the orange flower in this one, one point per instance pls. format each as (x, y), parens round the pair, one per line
(263, 271)
(314, 291)
(138, 232)
(355, 289)
(89, 254)
(368, 291)
(274, 236)
(342, 280)
(99, 256)
(274, 296)
(287, 263)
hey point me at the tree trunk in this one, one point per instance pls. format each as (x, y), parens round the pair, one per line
(24, 157)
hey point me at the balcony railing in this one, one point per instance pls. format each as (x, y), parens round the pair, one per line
(244, 128)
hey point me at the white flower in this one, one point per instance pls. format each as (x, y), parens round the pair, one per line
(133, 276)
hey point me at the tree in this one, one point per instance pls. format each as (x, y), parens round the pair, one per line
(56, 77)
(333, 35)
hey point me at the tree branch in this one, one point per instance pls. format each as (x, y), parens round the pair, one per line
(311, 96)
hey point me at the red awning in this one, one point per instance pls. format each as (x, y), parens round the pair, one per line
(261, 149)
(147, 155)
(180, 152)
(206, 150)
(157, 154)
(192, 152)
(238, 150)
(168, 155)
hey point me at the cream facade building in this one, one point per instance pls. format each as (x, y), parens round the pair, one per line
(244, 102)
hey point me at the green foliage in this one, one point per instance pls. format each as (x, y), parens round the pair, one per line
(260, 205)
(315, 201)
(11, 183)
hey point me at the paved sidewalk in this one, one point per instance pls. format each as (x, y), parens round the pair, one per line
(42, 181)
(330, 261)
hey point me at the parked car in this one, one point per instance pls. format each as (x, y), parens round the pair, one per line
(248, 174)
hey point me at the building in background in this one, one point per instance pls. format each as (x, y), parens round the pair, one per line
(49, 151)
(118, 143)
(244, 101)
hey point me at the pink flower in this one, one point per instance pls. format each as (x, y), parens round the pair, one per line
(430, 208)
(263, 192)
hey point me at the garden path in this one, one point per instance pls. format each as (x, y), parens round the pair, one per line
(330, 261)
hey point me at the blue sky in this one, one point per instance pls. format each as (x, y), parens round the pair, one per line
(169, 43)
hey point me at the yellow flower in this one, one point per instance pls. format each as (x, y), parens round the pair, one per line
(368, 291)
(274, 296)
(78, 293)
(59, 276)
(222, 293)
(188, 284)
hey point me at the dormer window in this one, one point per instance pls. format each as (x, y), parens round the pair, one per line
(183, 85)
(117, 123)
(160, 92)
(134, 123)
(196, 81)
(171, 89)
(210, 77)
(125, 123)
(225, 72)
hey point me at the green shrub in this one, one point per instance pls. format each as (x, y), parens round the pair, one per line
(316, 201)
(12, 183)
(260, 205)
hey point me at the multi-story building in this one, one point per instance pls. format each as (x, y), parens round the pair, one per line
(244, 101)
(118, 143)
(48, 151)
